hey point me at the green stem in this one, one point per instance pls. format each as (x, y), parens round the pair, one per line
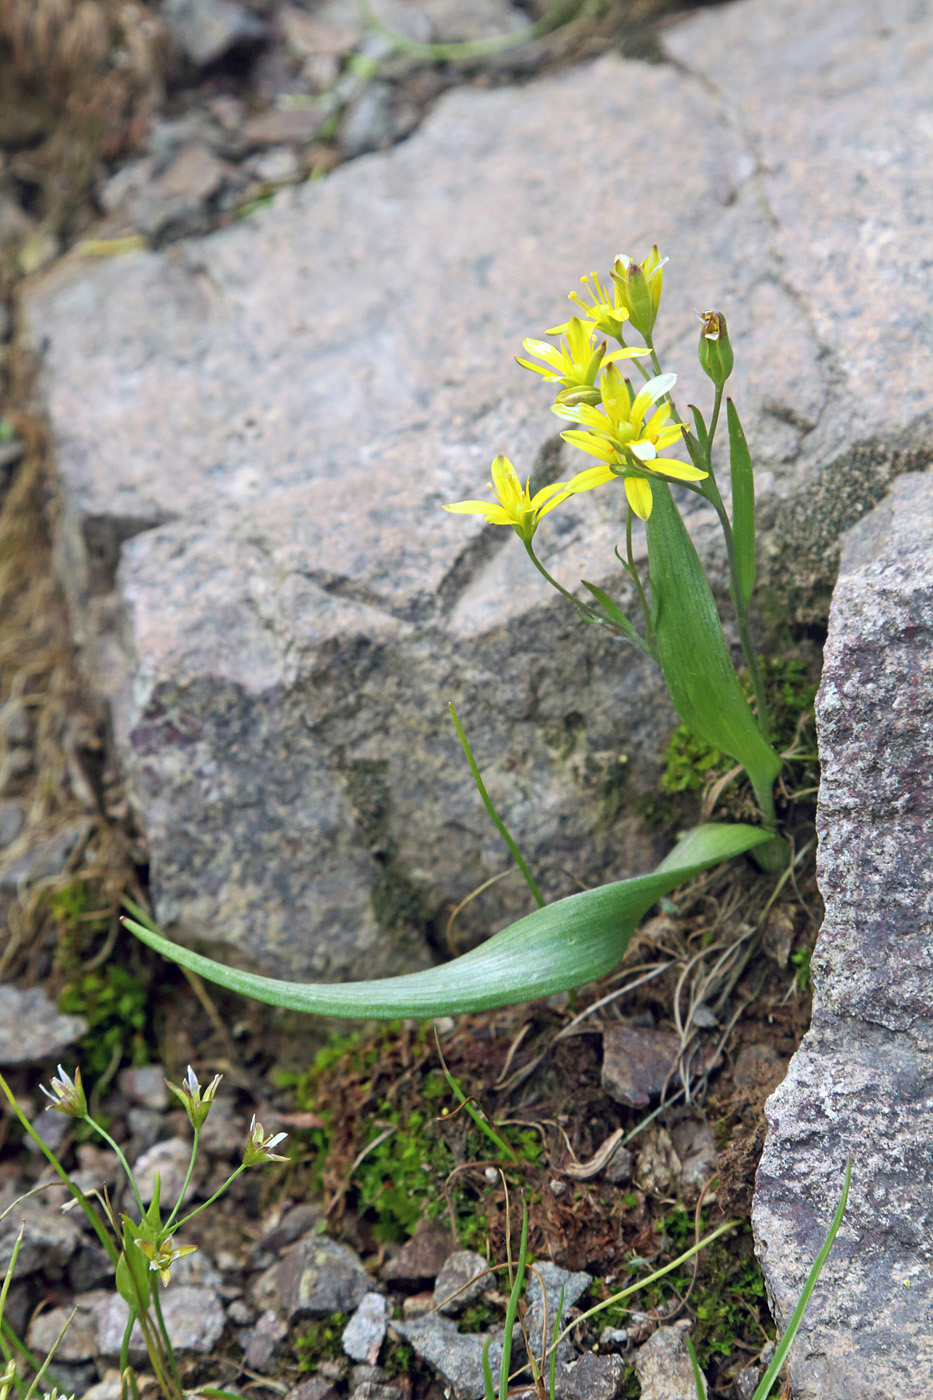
(580, 606)
(197, 1210)
(636, 579)
(93, 1218)
(167, 1348)
(167, 1228)
(494, 817)
(120, 1158)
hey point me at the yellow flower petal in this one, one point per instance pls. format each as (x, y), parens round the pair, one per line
(639, 496)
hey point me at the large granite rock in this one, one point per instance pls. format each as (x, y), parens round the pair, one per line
(255, 433)
(862, 1081)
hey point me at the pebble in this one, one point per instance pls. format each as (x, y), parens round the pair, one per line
(32, 1029)
(12, 822)
(208, 29)
(464, 1277)
(146, 1085)
(663, 1366)
(170, 1159)
(194, 1319)
(364, 1333)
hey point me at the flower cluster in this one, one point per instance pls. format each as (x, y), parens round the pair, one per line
(627, 431)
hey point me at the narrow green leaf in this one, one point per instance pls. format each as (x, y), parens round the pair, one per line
(698, 423)
(512, 1308)
(614, 613)
(694, 657)
(743, 503)
(777, 1361)
(554, 949)
(699, 1384)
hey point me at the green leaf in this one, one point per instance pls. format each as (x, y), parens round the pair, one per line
(550, 950)
(743, 503)
(133, 1269)
(694, 657)
(698, 423)
(614, 613)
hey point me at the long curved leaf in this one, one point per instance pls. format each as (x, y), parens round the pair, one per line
(551, 950)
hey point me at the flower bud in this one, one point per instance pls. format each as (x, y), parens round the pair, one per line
(197, 1101)
(715, 349)
(638, 289)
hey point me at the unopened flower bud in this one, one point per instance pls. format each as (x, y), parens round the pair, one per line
(715, 350)
(638, 288)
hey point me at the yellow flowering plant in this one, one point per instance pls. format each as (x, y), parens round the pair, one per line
(632, 433)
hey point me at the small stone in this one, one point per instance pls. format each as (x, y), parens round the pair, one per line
(456, 1358)
(422, 1257)
(146, 1085)
(170, 1159)
(619, 1168)
(539, 1320)
(110, 1388)
(80, 1340)
(376, 119)
(260, 1342)
(12, 822)
(317, 1388)
(49, 1241)
(365, 1332)
(613, 1339)
(591, 1377)
(637, 1063)
(196, 175)
(31, 1029)
(283, 126)
(47, 860)
(417, 1305)
(657, 1165)
(275, 166)
(194, 1319)
(694, 1145)
(757, 1066)
(464, 1277)
(317, 1276)
(208, 29)
(240, 1313)
(663, 1366)
(14, 721)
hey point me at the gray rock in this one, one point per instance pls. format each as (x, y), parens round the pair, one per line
(146, 1085)
(260, 429)
(463, 1278)
(194, 1319)
(31, 1029)
(699, 1160)
(378, 117)
(80, 1341)
(365, 1332)
(259, 1343)
(456, 1358)
(638, 1063)
(591, 1377)
(49, 1238)
(539, 1320)
(316, 1276)
(422, 1257)
(317, 1388)
(208, 29)
(169, 1159)
(860, 1082)
(663, 1366)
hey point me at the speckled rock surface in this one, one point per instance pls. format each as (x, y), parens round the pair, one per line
(862, 1081)
(255, 433)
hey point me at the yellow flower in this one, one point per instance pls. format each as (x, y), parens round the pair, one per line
(608, 314)
(573, 366)
(515, 505)
(162, 1257)
(625, 438)
(638, 288)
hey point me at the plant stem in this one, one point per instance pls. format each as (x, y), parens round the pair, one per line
(636, 579)
(181, 1195)
(120, 1158)
(210, 1202)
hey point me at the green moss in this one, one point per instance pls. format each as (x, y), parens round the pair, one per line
(114, 1004)
(321, 1341)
